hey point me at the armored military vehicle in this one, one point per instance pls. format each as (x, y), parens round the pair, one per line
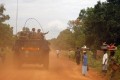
(31, 51)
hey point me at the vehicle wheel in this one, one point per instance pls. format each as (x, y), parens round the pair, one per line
(17, 62)
(46, 62)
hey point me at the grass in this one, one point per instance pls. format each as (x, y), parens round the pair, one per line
(92, 62)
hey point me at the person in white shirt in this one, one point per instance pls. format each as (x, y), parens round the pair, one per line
(58, 53)
(104, 62)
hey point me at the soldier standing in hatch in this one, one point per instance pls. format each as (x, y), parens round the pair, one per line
(40, 35)
(33, 34)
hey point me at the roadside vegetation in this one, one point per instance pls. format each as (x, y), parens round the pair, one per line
(6, 31)
(92, 27)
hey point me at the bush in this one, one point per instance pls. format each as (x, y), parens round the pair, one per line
(117, 55)
(94, 63)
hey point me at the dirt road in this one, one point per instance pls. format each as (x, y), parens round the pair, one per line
(60, 69)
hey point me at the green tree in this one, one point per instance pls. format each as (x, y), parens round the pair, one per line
(101, 23)
(77, 27)
(65, 40)
(3, 17)
(71, 37)
(97, 24)
(6, 32)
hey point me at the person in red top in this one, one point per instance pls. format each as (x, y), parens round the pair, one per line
(112, 47)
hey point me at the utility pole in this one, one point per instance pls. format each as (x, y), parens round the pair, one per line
(16, 16)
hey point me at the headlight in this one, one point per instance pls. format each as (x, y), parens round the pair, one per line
(22, 48)
(38, 48)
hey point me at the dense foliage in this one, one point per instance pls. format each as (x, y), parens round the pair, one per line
(95, 25)
(71, 37)
(102, 23)
(64, 41)
(6, 32)
(117, 55)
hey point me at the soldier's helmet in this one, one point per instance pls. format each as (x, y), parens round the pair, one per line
(39, 30)
(33, 29)
(24, 29)
(27, 29)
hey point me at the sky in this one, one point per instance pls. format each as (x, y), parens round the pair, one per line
(50, 15)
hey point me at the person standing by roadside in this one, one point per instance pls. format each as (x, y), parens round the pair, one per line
(2, 55)
(104, 62)
(69, 53)
(58, 53)
(84, 63)
(77, 55)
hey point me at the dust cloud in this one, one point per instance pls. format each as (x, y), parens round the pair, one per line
(59, 69)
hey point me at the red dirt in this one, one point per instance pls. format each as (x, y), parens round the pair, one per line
(60, 69)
